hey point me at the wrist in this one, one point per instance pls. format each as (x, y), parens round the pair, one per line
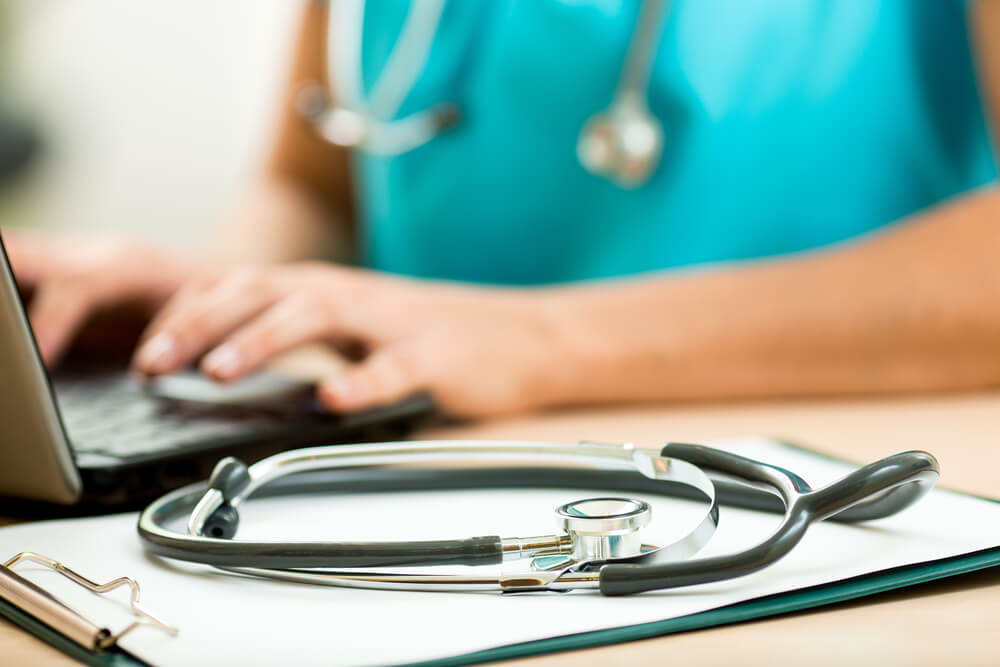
(588, 350)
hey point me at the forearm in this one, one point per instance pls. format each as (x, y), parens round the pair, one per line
(916, 307)
(300, 206)
(279, 221)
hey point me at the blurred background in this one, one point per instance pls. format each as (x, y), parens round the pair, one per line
(149, 117)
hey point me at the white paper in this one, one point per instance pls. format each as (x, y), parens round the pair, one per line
(226, 619)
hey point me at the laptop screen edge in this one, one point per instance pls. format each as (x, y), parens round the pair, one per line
(36, 461)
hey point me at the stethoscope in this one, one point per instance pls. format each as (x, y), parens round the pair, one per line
(599, 545)
(622, 143)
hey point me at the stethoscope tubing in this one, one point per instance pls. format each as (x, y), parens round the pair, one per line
(622, 143)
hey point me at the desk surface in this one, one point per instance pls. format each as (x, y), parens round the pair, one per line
(952, 621)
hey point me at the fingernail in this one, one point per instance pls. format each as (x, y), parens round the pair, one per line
(224, 361)
(342, 390)
(157, 354)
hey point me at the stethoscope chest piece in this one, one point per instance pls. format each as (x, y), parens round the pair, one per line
(622, 144)
(602, 529)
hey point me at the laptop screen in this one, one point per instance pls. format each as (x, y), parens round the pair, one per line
(37, 462)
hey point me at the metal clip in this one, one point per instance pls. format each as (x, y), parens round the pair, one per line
(572, 575)
(42, 605)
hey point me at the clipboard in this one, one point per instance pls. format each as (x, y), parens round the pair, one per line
(44, 615)
(758, 607)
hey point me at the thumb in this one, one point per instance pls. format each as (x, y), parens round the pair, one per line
(385, 376)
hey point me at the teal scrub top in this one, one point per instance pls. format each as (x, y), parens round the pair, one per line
(788, 125)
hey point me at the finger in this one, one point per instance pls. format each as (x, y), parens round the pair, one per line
(196, 319)
(57, 313)
(187, 292)
(386, 376)
(26, 257)
(286, 325)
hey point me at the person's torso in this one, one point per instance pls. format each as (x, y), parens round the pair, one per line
(788, 124)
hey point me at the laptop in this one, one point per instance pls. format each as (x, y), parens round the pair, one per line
(95, 437)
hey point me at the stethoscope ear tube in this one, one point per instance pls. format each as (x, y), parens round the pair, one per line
(874, 491)
(920, 468)
(879, 489)
(227, 552)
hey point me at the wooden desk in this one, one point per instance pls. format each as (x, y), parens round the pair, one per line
(949, 622)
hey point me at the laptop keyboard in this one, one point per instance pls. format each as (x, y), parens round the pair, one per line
(112, 415)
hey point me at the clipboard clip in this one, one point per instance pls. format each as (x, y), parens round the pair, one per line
(45, 607)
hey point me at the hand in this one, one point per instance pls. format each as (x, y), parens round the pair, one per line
(77, 282)
(479, 351)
